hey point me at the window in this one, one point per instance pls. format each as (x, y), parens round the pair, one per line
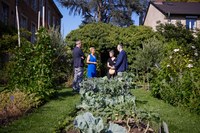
(33, 30)
(27, 2)
(191, 22)
(24, 22)
(5, 13)
(49, 17)
(54, 21)
(41, 5)
(58, 23)
(34, 5)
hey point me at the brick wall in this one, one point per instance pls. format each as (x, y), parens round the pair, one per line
(28, 13)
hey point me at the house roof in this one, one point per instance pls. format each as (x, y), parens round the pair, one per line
(178, 8)
(56, 8)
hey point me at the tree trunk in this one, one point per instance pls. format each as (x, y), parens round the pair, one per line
(99, 10)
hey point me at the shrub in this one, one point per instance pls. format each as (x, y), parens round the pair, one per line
(148, 56)
(8, 43)
(62, 66)
(105, 37)
(176, 32)
(31, 66)
(15, 103)
(177, 81)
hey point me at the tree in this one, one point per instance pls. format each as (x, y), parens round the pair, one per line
(105, 37)
(148, 56)
(117, 12)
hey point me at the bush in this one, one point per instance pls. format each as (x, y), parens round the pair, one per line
(176, 32)
(31, 66)
(147, 57)
(62, 66)
(15, 103)
(105, 37)
(8, 42)
(177, 81)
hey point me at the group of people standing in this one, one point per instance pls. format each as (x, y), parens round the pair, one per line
(115, 65)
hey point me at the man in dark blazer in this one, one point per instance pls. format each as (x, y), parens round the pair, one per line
(78, 61)
(122, 61)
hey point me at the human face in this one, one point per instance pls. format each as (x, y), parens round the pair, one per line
(79, 44)
(118, 48)
(93, 51)
(111, 54)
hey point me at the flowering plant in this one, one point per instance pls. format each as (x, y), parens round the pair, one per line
(177, 80)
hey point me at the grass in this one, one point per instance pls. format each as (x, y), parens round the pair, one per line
(1, 88)
(44, 119)
(179, 120)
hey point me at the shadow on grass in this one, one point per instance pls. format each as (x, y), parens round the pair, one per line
(61, 95)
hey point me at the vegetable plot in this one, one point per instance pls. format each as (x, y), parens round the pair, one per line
(113, 103)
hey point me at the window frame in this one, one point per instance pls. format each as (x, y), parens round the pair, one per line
(22, 26)
(190, 19)
(34, 5)
(5, 18)
(33, 37)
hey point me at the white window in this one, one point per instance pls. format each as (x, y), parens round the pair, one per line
(34, 5)
(4, 13)
(33, 30)
(191, 22)
(24, 22)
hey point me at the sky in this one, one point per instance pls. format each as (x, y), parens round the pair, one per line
(71, 22)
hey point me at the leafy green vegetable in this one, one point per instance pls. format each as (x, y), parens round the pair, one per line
(115, 128)
(112, 100)
(87, 123)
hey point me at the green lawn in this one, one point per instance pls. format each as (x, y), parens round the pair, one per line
(1, 88)
(44, 119)
(178, 119)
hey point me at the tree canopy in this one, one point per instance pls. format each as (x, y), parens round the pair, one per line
(106, 37)
(117, 12)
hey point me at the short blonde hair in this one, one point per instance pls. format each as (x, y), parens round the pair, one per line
(91, 48)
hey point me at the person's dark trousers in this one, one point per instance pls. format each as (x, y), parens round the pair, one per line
(110, 76)
(78, 77)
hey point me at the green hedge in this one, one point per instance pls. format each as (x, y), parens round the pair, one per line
(105, 37)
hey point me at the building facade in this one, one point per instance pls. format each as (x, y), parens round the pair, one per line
(187, 13)
(28, 11)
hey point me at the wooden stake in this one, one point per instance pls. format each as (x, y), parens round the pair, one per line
(43, 16)
(18, 29)
(38, 20)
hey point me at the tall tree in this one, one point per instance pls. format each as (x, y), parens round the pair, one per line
(117, 12)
